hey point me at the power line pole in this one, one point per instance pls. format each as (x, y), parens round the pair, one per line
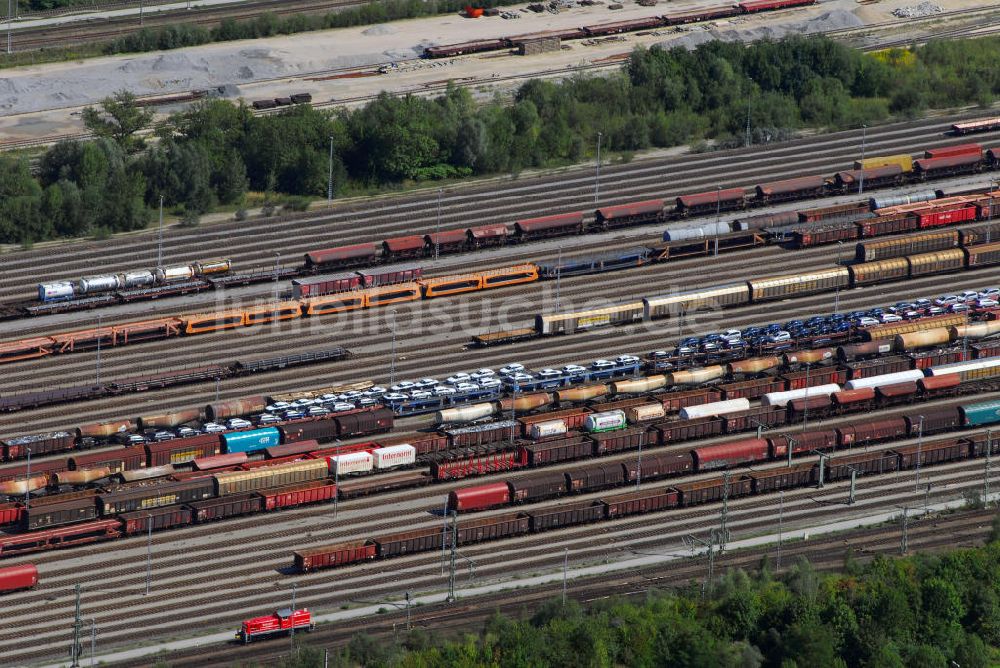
(747, 142)
(565, 573)
(437, 230)
(27, 486)
(159, 241)
(149, 550)
(454, 548)
(724, 519)
(920, 442)
(77, 624)
(638, 464)
(986, 475)
(277, 265)
(329, 178)
(597, 177)
(861, 178)
(903, 540)
(718, 209)
(392, 361)
(781, 522)
(100, 335)
(292, 634)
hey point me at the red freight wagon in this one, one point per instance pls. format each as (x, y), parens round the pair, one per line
(403, 247)
(329, 556)
(957, 149)
(648, 211)
(550, 226)
(932, 384)
(487, 235)
(480, 497)
(298, 495)
(317, 287)
(344, 256)
(447, 241)
(15, 578)
(10, 513)
(803, 186)
(139, 521)
(872, 431)
(853, 397)
(805, 441)
(51, 539)
(475, 465)
(925, 360)
(724, 200)
(733, 453)
(282, 621)
(798, 380)
(936, 217)
(764, 5)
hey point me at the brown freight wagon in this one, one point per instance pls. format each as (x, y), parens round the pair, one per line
(616, 441)
(872, 431)
(408, 542)
(40, 444)
(63, 497)
(713, 489)
(801, 409)
(155, 496)
(865, 463)
(934, 420)
(329, 556)
(422, 443)
(42, 468)
(798, 380)
(879, 271)
(57, 514)
(797, 188)
(594, 477)
(983, 233)
(223, 410)
(289, 449)
(659, 465)
(685, 430)
(835, 211)
(804, 441)
(568, 515)
(751, 389)
(139, 521)
(888, 224)
(539, 454)
(321, 431)
(495, 432)
(897, 393)
(986, 254)
(750, 420)
(979, 441)
(492, 528)
(986, 349)
(826, 233)
(367, 422)
(868, 251)
(932, 452)
(621, 404)
(674, 401)
(229, 506)
(536, 487)
(772, 480)
(239, 482)
(636, 503)
(947, 260)
(383, 483)
(182, 450)
(878, 367)
(118, 460)
(856, 351)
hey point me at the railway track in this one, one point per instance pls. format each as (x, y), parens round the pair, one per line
(244, 585)
(251, 243)
(447, 620)
(371, 336)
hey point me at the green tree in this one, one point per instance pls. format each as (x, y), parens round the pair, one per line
(120, 119)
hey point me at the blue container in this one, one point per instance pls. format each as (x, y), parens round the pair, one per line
(981, 414)
(250, 441)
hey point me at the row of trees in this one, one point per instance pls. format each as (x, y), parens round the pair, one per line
(920, 612)
(216, 151)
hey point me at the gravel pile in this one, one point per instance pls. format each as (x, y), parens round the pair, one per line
(917, 11)
(836, 19)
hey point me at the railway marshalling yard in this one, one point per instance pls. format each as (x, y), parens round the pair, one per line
(212, 577)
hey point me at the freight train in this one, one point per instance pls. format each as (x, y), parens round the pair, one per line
(614, 506)
(615, 28)
(771, 288)
(219, 489)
